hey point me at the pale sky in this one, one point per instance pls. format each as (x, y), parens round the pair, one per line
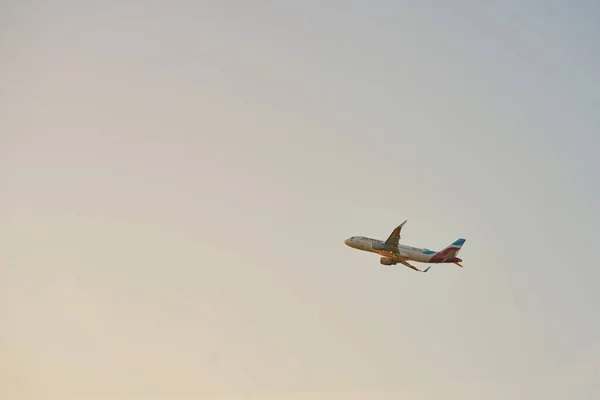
(177, 180)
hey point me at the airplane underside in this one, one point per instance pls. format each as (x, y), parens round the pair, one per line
(389, 262)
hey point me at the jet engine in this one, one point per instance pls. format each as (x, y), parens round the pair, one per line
(387, 261)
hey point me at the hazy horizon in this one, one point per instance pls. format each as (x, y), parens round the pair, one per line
(178, 180)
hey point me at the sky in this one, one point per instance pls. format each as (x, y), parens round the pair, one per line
(177, 180)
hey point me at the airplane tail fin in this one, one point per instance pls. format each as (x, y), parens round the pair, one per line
(455, 246)
(450, 253)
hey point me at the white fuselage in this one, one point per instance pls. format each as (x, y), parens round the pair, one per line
(377, 246)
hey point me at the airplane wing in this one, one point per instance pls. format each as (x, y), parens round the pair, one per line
(403, 262)
(395, 236)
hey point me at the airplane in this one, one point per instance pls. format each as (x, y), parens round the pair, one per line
(393, 253)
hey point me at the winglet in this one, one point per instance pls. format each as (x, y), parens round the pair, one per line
(427, 269)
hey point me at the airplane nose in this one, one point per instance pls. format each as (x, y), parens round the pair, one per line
(347, 242)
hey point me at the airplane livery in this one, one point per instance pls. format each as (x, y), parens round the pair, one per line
(393, 253)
